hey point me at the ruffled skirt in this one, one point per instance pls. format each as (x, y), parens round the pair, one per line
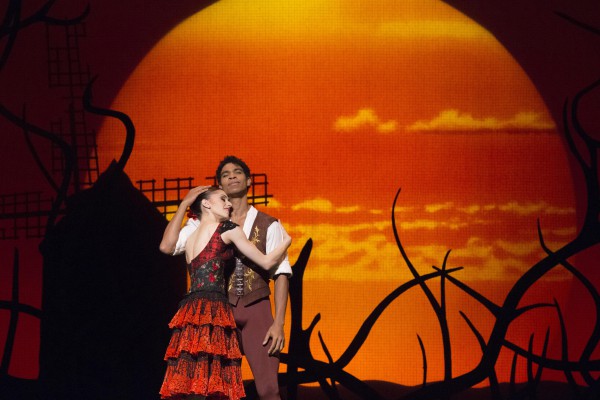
(203, 356)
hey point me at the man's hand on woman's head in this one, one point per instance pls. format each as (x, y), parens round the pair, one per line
(192, 194)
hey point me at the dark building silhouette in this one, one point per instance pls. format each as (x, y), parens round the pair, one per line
(108, 295)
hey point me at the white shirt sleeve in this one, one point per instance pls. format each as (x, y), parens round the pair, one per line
(274, 236)
(190, 226)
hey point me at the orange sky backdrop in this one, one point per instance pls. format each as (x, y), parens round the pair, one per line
(341, 103)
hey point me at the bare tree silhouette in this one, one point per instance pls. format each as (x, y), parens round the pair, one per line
(332, 372)
(12, 23)
(11, 26)
(585, 150)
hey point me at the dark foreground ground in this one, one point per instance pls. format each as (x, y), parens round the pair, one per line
(29, 390)
(545, 391)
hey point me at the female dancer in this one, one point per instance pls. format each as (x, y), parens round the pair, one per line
(203, 356)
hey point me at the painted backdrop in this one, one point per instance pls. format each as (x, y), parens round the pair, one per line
(398, 140)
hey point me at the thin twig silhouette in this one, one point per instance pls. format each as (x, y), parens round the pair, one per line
(68, 154)
(594, 338)
(124, 118)
(565, 351)
(424, 358)
(14, 318)
(493, 378)
(439, 309)
(299, 347)
(12, 23)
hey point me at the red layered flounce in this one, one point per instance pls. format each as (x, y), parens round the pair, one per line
(203, 356)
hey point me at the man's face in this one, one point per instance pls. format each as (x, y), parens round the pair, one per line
(233, 180)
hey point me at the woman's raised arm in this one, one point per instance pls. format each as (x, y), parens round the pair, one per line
(171, 234)
(266, 261)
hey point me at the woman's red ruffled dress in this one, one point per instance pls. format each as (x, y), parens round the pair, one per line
(203, 356)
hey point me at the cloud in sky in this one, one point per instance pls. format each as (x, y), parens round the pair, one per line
(470, 209)
(567, 231)
(475, 248)
(433, 208)
(365, 118)
(519, 249)
(522, 209)
(453, 224)
(274, 203)
(447, 120)
(359, 252)
(323, 205)
(483, 259)
(404, 209)
(454, 120)
(348, 209)
(365, 249)
(512, 207)
(367, 252)
(535, 208)
(320, 204)
(560, 210)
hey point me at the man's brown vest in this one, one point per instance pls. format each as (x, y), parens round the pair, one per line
(249, 282)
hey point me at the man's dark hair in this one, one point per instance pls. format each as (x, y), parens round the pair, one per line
(233, 160)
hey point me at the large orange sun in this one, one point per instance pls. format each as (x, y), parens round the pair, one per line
(340, 104)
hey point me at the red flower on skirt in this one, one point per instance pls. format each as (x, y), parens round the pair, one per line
(211, 277)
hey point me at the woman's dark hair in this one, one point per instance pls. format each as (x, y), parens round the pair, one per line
(196, 206)
(233, 160)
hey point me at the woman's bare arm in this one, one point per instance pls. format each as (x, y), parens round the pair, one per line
(266, 261)
(171, 234)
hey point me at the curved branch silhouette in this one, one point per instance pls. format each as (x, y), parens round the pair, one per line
(594, 339)
(493, 378)
(124, 118)
(578, 23)
(12, 24)
(366, 327)
(565, 350)
(439, 310)
(424, 358)
(588, 236)
(67, 151)
(551, 363)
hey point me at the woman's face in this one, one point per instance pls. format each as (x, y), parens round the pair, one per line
(219, 204)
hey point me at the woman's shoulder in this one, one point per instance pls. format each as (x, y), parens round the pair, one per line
(227, 226)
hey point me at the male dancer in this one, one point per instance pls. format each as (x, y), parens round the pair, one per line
(249, 287)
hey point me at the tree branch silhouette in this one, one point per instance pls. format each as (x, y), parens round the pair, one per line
(438, 309)
(124, 118)
(594, 339)
(68, 154)
(588, 237)
(12, 23)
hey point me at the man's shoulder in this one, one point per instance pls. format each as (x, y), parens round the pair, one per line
(266, 217)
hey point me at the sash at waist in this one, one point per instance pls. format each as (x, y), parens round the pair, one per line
(205, 294)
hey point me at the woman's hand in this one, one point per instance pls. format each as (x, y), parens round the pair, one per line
(171, 234)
